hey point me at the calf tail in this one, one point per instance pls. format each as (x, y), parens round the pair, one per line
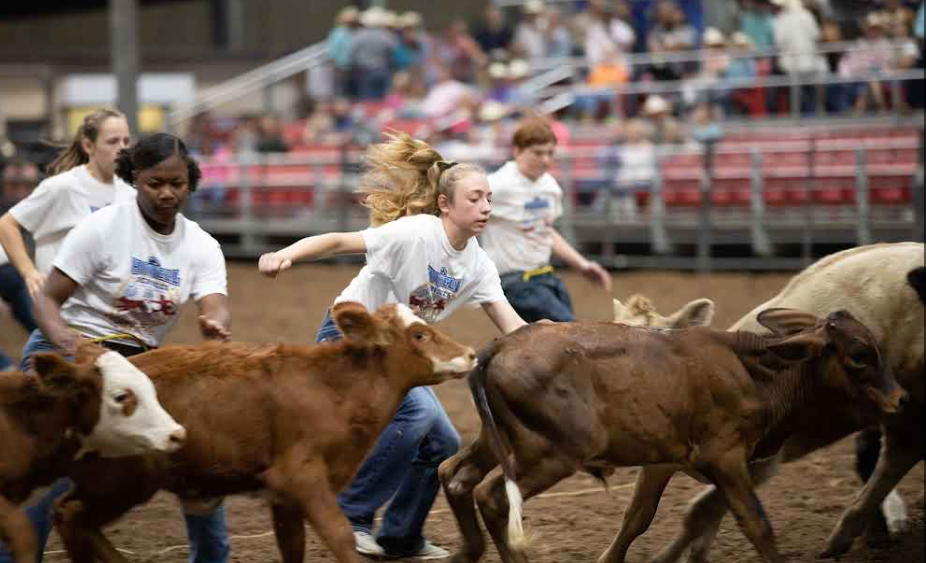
(517, 540)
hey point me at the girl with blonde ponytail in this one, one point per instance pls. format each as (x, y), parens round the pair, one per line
(421, 250)
(81, 181)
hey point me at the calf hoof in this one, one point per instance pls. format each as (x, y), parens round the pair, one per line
(463, 557)
(836, 549)
(877, 535)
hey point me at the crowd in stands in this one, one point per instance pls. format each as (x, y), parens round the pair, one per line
(459, 86)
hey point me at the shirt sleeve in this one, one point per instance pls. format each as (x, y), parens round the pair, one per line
(36, 213)
(210, 275)
(81, 256)
(390, 246)
(490, 284)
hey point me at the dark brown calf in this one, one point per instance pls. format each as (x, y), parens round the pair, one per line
(558, 399)
(48, 420)
(295, 421)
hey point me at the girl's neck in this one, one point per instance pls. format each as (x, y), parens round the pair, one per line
(97, 173)
(458, 237)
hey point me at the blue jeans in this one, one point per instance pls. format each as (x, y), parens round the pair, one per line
(208, 534)
(13, 290)
(541, 297)
(402, 467)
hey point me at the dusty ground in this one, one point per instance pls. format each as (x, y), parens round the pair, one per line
(578, 521)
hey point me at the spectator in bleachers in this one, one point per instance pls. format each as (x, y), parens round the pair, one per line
(500, 87)
(715, 61)
(797, 36)
(906, 51)
(636, 168)
(743, 67)
(607, 31)
(559, 42)
(270, 135)
(412, 50)
(871, 55)
(665, 128)
(494, 35)
(604, 77)
(448, 95)
(372, 55)
(18, 180)
(896, 11)
(835, 94)
(459, 52)
(530, 38)
(671, 34)
(339, 48)
(757, 22)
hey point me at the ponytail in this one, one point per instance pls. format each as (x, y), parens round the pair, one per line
(74, 155)
(405, 176)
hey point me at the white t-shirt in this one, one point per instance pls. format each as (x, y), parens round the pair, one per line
(62, 202)
(519, 234)
(410, 261)
(133, 279)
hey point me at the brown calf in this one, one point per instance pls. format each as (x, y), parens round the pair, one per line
(295, 421)
(558, 399)
(103, 405)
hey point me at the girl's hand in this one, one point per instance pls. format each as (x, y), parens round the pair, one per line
(271, 264)
(212, 329)
(594, 272)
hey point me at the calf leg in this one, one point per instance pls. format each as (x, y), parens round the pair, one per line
(892, 518)
(651, 483)
(897, 459)
(704, 516)
(289, 528)
(17, 533)
(306, 485)
(79, 524)
(538, 474)
(460, 475)
(733, 479)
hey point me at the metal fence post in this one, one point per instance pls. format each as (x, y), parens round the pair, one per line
(704, 230)
(862, 204)
(569, 208)
(811, 186)
(918, 196)
(659, 238)
(246, 222)
(760, 240)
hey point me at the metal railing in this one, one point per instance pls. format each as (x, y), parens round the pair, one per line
(838, 194)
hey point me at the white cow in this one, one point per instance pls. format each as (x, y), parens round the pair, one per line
(871, 283)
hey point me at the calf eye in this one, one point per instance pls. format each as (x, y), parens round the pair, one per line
(121, 398)
(859, 358)
(420, 336)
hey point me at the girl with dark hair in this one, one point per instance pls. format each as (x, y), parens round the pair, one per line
(121, 280)
(81, 181)
(421, 251)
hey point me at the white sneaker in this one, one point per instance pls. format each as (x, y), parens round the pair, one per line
(430, 552)
(367, 545)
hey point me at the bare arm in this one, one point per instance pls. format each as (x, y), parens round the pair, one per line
(11, 239)
(591, 270)
(57, 289)
(504, 316)
(311, 248)
(214, 317)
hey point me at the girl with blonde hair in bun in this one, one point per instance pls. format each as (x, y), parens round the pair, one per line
(421, 250)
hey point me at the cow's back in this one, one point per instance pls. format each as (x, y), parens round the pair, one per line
(871, 283)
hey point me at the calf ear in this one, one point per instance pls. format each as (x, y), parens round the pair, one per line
(799, 348)
(357, 324)
(699, 312)
(57, 375)
(783, 322)
(621, 312)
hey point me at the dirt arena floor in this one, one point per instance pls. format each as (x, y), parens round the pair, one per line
(577, 520)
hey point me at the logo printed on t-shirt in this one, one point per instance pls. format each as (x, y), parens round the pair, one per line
(151, 296)
(537, 211)
(429, 300)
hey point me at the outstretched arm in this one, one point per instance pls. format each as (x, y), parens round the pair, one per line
(591, 270)
(504, 316)
(214, 317)
(311, 248)
(11, 239)
(48, 302)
